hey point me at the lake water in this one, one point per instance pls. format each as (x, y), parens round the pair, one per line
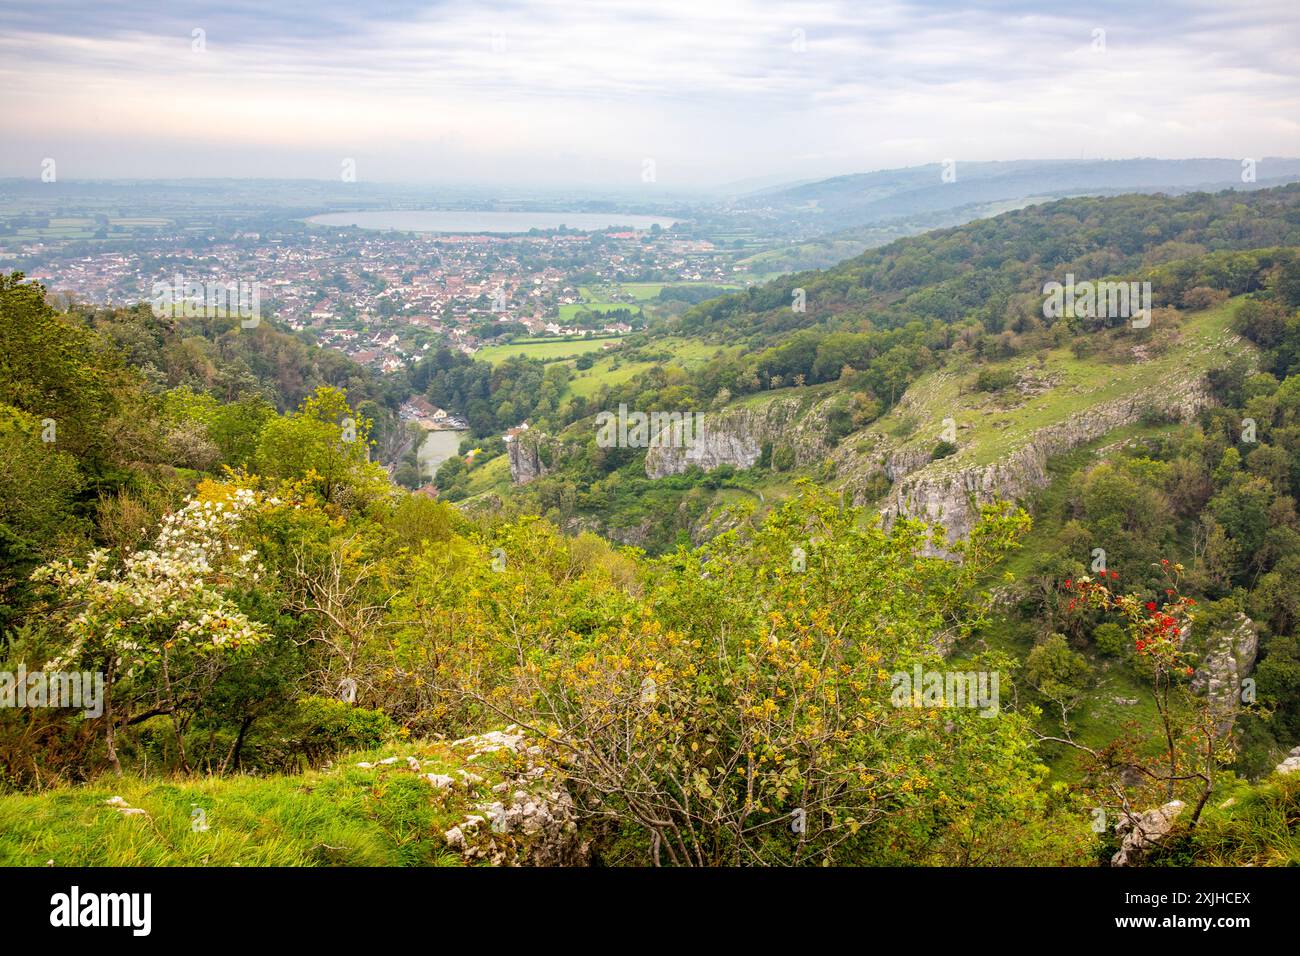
(452, 221)
(436, 448)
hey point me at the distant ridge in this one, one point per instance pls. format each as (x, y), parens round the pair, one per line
(865, 199)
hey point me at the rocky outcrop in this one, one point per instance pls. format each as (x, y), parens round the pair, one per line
(947, 493)
(735, 436)
(1292, 763)
(530, 819)
(902, 462)
(634, 536)
(1228, 659)
(524, 451)
(718, 443)
(1139, 834)
(510, 808)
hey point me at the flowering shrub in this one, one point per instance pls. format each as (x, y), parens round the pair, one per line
(165, 595)
(142, 619)
(1191, 744)
(1158, 630)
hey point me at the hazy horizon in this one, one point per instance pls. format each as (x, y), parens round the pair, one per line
(536, 191)
(525, 94)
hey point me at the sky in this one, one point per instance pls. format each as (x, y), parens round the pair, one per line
(670, 95)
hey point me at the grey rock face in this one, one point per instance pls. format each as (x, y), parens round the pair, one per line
(735, 436)
(525, 460)
(718, 444)
(945, 492)
(1292, 763)
(1143, 832)
(535, 826)
(1228, 660)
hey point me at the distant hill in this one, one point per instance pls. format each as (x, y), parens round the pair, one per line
(971, 270)
(871, 199)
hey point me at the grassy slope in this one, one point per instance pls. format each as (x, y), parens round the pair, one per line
(389, 816)
(344, 816)
(1250, 826)
(645, 291)
(996, 427)
(614, 369)
(489, 475)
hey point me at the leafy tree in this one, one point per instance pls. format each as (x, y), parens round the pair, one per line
(152, 621)
(325, 442)
(1059, 674)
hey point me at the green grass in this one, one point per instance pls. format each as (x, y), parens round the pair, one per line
(140, 221)
(990, 425)
(83, 227)
(1260, 826)
(683, 352)
(807, 394)
(642, 290)
(490, 475)
(645, 291)
(570, 312)
(344, 816)
(603, 373)
(547, 351)
(687, 351)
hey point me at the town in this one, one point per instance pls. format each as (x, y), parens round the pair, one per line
(385, 298)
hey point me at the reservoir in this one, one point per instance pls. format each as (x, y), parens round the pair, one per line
(436, 448)
(453, 221)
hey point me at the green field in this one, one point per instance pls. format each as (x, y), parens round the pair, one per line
(644, 291)
(489, 475)
(570, 312)
(549, 350)
(588, 383)
(611, 368)
(82, 227)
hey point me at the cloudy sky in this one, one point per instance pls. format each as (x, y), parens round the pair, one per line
(544, 92)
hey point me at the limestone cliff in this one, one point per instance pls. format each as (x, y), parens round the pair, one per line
(735, 436)
(1229, 658)
(526, 463)
(950, 492)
